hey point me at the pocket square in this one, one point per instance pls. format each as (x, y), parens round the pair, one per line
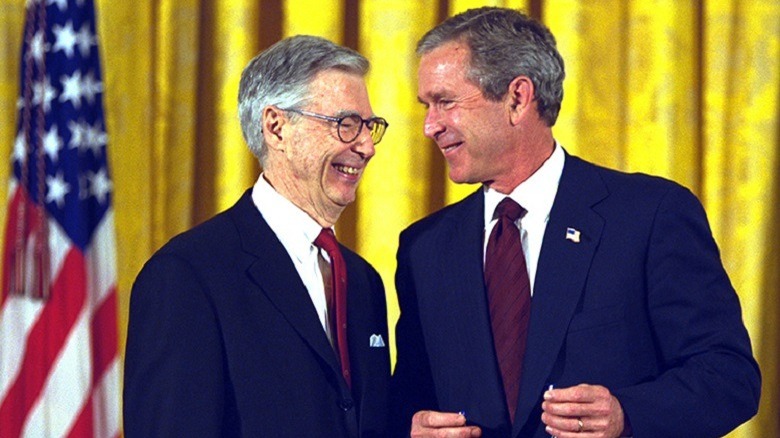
(376, 341)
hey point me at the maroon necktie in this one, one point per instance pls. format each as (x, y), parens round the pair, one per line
(327, 241)
(509, 295)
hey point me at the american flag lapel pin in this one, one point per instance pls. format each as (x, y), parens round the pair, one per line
(573, 235)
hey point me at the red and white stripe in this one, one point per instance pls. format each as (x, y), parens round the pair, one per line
(59, 359)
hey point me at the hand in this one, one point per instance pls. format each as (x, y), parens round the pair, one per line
(442, 424)
(582, 411)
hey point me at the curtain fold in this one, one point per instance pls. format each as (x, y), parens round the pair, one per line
(233, 42)
(328, 22)
(683, 89)
(394, 191)
(127, 36)
(741, 163)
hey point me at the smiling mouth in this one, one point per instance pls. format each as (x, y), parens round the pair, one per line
(449, 148)
(347, 169)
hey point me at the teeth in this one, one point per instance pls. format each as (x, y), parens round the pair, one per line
(348, 170)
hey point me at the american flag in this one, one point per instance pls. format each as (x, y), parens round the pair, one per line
(59, 362)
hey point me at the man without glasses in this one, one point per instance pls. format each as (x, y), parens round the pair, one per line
(562, 298)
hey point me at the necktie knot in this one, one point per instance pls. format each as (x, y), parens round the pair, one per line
(509, 209)
(327, 241)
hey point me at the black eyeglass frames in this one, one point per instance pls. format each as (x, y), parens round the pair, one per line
(351, 125)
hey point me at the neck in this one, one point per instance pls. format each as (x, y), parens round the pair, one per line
(325, 215)
(532, 152)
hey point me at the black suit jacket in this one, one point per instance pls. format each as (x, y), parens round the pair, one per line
(224, 340)
(641, 305)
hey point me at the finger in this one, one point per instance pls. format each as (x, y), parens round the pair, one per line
(438, 419)
(555, 433)
(570, 410)
(596, 425)
(446, 432)
(582, 393)
(571, 427)
(602, 409)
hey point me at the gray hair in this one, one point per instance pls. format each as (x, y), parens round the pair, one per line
(281, 75)
(505, 44)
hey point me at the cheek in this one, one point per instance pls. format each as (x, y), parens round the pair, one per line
(303, 164)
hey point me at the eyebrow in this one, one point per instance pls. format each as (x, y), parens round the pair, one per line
(435, 97)
(346, 113)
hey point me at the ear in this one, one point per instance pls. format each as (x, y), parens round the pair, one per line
(273, 121)
(521, 98)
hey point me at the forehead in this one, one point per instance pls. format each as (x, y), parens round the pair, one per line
(337, 90)
(444, 69)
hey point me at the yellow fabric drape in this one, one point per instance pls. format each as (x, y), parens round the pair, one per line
(128, 87)
(684, 89)
(592, 120)
(236, 24)
(662, 103)
(393, 192)
(328, 22)
(12, 20)
(149, 56)
(741, 189)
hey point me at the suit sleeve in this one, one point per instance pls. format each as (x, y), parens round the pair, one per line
(711, 382)
(174, 381)
(411, 386)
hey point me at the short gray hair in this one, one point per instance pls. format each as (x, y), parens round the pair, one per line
(505, 44)
(281, 75)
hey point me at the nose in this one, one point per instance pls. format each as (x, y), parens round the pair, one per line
(432, 127)
(364, 145)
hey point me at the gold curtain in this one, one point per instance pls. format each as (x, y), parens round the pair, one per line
(684, 89)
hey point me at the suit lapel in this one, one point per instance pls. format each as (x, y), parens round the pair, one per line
(276, 277)
(461, 248)
(560, 277)
(462, 315)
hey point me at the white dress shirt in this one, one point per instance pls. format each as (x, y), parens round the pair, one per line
(297, 232)
(536, 196)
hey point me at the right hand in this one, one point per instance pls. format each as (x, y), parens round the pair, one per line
(442, 424)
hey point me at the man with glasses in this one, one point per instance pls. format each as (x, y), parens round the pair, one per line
(257, 322)
(561, 298)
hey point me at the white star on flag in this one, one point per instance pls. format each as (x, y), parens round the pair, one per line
(66, 39)
(52, 143)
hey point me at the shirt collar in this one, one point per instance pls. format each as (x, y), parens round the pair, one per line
(536, 194)
(292, 226)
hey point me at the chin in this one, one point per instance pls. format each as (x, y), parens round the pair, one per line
(343, 199)
(459, 179)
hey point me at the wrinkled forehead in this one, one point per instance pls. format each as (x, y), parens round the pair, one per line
(338, 91)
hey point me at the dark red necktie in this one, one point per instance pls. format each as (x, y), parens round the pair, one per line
(509, 296)
(327, 241)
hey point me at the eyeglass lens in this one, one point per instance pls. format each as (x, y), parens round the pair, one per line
(350, 127)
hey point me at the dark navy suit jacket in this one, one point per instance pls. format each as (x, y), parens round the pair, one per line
(641, 305)
(224, 340)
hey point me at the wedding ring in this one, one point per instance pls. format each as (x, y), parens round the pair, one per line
(579, 425)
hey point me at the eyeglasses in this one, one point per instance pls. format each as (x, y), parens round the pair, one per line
(350, 126)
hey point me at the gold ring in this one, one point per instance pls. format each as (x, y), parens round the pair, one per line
(579, 425)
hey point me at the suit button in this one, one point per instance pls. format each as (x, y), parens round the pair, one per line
(346, 404)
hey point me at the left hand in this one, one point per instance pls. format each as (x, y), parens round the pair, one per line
(582, 411)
